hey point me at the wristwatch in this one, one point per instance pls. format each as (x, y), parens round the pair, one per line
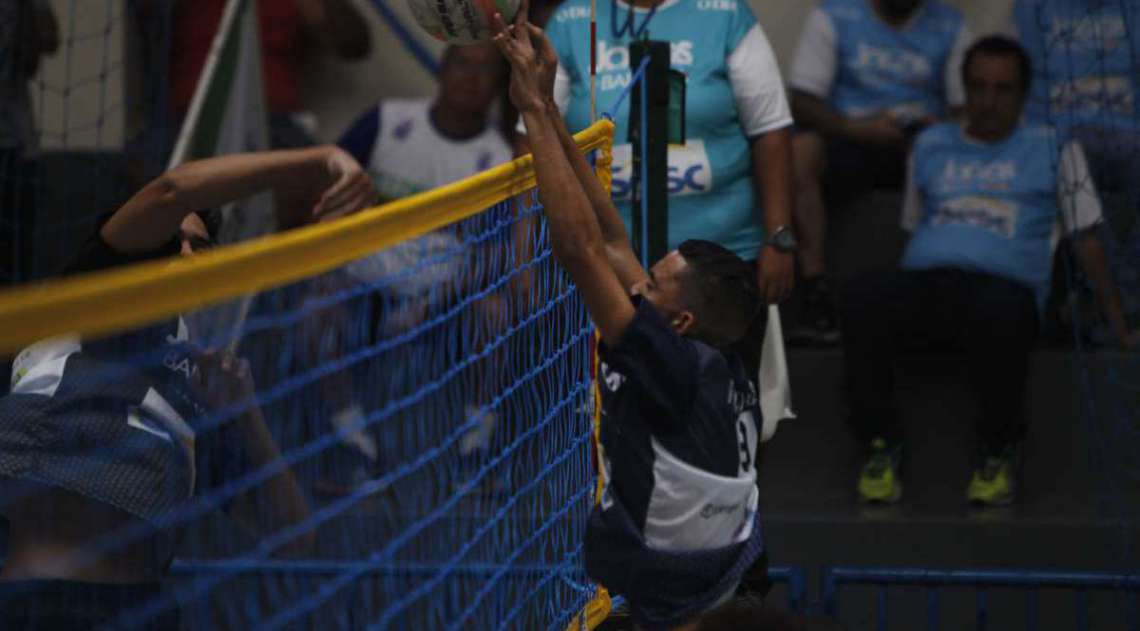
(782, 240)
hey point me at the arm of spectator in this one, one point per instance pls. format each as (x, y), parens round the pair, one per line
(954, 87)
(338, 26)
(278, 502)
(1081, 212)
(149, 218)
(912, 201)
(772, 170)
(766, 118)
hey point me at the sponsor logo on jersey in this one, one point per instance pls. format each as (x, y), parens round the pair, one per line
(572, 13)
(689, 171)
(711, 510)
(988, 175)
(904, 64)
(716, 5)
(1093, 95)
(613, 62)
(987, 213)
(1090, 33)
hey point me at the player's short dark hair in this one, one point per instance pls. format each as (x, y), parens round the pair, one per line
(1000, 46)
(721, 291)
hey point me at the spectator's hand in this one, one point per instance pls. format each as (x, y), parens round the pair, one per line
(527, 67)
(224, 379)
(883, 130)
(1128, 340)
(351, 188)
(775, 274)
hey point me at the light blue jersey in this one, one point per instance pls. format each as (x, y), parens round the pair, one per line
(710, 177)
(1086, 61)
(880, 68)
(989, 208)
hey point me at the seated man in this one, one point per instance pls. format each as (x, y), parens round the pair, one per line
(982, 200)
(867, 76)
(98, 440)
(1086, 84)
(678, 523)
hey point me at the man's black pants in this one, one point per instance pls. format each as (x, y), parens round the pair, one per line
(993, 321)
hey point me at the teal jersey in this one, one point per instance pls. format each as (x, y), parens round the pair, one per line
(710, 185)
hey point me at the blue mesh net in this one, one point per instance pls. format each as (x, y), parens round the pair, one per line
(401, 443)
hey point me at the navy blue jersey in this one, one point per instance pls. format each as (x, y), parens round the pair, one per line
(114, 419)
(680, 424)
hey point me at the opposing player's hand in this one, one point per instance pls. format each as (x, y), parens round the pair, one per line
(775, 274)
(351, 188)
(527, 89)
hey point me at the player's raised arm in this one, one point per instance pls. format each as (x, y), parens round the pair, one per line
(618, 249)
(339, 186)
(575, 234)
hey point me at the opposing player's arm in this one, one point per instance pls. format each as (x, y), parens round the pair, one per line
(153, 215)
(575, 234)
(619, 252)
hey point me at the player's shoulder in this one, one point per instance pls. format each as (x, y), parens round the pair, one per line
(570, 12)
(403, 106)
(938, 135)
(1044, 134)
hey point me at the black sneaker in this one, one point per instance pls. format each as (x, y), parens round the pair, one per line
(817, 323)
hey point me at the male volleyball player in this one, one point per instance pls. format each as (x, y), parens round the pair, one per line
(95, 442)
(678, 523)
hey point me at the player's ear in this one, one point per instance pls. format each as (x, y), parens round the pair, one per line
(684, 322)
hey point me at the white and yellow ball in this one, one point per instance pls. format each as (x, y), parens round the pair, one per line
(461, 22)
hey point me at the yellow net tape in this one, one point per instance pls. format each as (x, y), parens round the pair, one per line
(106, 302)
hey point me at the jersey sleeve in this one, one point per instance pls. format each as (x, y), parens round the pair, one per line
(757, 86)
(360, 138)
(952, 73)
(1076, 191)
(816, 59)
(657, 361)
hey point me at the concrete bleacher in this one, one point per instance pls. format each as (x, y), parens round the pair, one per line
(1077, 507)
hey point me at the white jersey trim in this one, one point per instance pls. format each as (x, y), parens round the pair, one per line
(757, 85)
(692, 509)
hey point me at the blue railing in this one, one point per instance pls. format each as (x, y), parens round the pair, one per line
(833, 578)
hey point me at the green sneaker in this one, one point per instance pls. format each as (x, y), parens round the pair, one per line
(879, 481)
(994, 483)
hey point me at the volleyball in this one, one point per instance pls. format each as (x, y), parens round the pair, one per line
(461, 22)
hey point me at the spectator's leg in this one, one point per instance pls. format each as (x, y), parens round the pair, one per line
(810, 213)
(1001, 331)
(873, 308)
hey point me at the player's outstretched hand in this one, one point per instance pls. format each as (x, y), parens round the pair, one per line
(224, 379)
(351, 188)
(527, 90)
